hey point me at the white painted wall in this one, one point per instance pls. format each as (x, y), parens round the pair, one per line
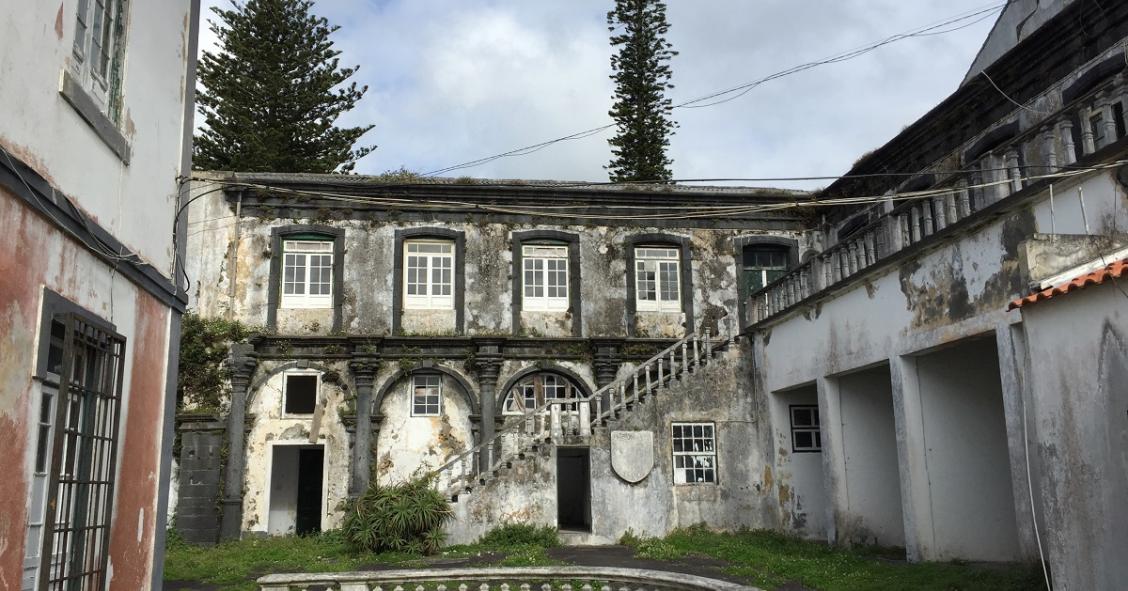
(408, 446)
(872, 513)
(799, 476)
(1078, 351)
(967, 460)
(137, 202)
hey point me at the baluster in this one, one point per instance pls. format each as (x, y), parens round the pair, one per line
(685, 356)
(914, 225)
(526, 587)
(649, 384)
(419, 588)
(926, 228)
(556, 431)
(871, 248)
(586, 587)
(504, 587)
(441, 587)
(1065, 128)
(599, 408)
(696, 351)
(903, 223)
(546, 587)
(1049, 149)
(940, 211)
(585, 419)
(634, 380)
(963, 201)
(673, 365)
(660, 376)
(463, 587)
(708, 346)
(613, 406)
(566, 587)
(1013, 171)
(398, 588)
(484, 587)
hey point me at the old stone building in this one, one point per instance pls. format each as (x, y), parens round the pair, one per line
(951, 421)
(408, 323)
(862, 365)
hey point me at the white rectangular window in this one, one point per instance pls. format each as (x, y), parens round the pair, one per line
(805, 434)
(428, 275)
(695, 453)
(657, 279)
(307, 274)
(97, 54)
(426, 395)
(545, 278)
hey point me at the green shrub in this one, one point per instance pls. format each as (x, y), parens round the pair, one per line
(406, 517)
(521, 534)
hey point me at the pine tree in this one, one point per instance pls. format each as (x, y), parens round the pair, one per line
(641, 73)
(272, 92)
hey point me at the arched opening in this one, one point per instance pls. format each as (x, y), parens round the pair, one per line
(537, 388)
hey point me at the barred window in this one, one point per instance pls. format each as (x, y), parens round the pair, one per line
(72, 542)
(428, 275)
(426, 395)
(657, 279)
(545, 277)
(805, 434)
(695, 453)
(307, 274)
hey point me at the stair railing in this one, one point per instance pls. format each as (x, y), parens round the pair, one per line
(550, 421)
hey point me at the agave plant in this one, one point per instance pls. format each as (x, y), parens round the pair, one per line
(404, 517)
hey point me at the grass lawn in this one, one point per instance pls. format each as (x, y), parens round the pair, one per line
(765, 559)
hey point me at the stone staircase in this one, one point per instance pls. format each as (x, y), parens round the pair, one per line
(572, 421)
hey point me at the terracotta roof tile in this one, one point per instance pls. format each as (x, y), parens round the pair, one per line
(1114, 270)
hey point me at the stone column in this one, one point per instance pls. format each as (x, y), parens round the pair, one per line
(364, 376)
(488, 358)
(242, 365)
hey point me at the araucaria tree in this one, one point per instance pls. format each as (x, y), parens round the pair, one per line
(273, 91)
(641, 72)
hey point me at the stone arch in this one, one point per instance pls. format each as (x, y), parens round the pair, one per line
(464, 386)
(260, 381)
(550, 368)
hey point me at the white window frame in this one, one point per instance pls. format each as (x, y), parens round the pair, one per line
(664, 263)
(814, 428)
(96, 42)
(422, 393)
(687, 461)
(445, 259)
(322, 251)
(316, 392)
(547, 265)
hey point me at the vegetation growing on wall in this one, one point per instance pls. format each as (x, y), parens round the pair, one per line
(405, 517)
(202, 375)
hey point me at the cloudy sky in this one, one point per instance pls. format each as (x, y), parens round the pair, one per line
(455, 80)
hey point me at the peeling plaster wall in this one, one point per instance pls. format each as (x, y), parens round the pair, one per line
(270, 428)
(800, 488)
(50, 260)
(742, 496)
(369, 272)
(408, 446)
(1078, 373)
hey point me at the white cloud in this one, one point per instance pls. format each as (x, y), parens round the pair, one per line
(452, 81)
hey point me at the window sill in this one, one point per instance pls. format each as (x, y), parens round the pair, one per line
(106, 130)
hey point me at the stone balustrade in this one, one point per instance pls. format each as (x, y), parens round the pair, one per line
(1052, 147)
(556, 578)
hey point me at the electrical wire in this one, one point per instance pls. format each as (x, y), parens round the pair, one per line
(742, 89)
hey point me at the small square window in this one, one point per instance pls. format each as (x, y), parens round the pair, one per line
(300, 394)
(426, 395)
(695, 453)
(805, 433)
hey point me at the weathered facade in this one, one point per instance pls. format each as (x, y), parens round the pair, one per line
(433, 315)
(949, 423)
(96, 128)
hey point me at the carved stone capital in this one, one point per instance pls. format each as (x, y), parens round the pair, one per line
(364, 371)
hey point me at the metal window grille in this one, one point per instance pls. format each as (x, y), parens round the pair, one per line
(84, 458)
(695, 453)
(805, 433)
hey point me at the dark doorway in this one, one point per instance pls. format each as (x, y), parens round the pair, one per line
(573, 488)
(310, 464)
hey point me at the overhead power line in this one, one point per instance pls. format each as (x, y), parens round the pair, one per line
(948, 25)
